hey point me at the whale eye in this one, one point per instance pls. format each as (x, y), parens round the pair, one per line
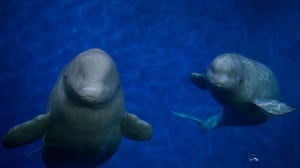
(241, 81)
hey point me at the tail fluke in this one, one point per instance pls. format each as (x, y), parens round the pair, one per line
(190, 117)
(211, 122)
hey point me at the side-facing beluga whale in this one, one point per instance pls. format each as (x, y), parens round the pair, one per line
(247, 89)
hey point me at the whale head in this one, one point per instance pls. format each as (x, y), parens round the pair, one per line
(226, 78)
(92, 77)
(226, 72)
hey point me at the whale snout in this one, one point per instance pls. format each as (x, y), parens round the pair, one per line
(94, 95)
(220, 81)
(89, 94)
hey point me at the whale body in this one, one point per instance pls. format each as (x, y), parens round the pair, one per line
(247, 89)
(86, 116)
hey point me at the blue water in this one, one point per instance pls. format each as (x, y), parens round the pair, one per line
(156, 45)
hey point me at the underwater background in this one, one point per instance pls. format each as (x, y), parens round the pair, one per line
(156, 45)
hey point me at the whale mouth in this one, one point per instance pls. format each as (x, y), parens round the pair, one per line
(89, 99)
(221, 85)
(88, 95)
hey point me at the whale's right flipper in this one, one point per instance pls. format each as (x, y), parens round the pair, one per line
(26, 132)
(211, 122)
(199, 80)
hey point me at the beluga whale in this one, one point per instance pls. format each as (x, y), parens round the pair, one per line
(86, 116)
(247, 90)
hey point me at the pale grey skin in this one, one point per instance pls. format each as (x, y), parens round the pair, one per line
(86, 116)
(247, 89)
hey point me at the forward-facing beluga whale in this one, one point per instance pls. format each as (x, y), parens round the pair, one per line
(86, 116)
(247, 90)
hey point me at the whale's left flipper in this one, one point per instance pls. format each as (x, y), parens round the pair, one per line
(26, 132)
(273, 107)
(135, 128)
